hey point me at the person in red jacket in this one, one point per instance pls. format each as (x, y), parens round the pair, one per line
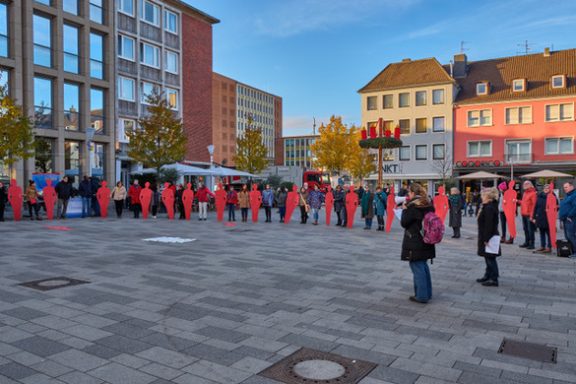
(203, 196)
(231, 203)
(134, 194)
(527, 205)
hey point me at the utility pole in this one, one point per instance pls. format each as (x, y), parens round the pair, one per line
(314, 126)
(462, 46)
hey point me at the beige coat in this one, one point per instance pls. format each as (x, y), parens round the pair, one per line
(118, 193)
(244, 199)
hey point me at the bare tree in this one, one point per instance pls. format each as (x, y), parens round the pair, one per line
(444, 167)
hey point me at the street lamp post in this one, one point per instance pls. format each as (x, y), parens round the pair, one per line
(89, 136)
(211, 152)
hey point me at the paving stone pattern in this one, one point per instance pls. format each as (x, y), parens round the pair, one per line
(239, 299)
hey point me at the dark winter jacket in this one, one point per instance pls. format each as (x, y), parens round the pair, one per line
(85, 189)
(413, 246)
(568, 206)
(540, 211)
(3, 196)
(339, 202)
(380, 200)
(63, 190)
(487, 226)
(455, 203)
(281, 199)
(367, 204)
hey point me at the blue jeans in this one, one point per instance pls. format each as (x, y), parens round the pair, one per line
(282, 211)
(570, 233)
(529, 228)
(545, 238)
(315, 213)
(422, 280)
(86, 206)
(368, 223)
(492, 272)
(231, 212)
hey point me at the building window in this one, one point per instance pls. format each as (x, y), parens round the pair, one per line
(72, 158)
(480, 118)
(4, 30)
(404, 153)
(172, 98)
(45, 2)
(170, 21)
(559, 146)
(4, 81)
(421, 152)
(70, 6)
(482, 89)
(370, 124)
(519, 85)
(44, 155)
(71, 106)
(438, 124)
(150, 55)
(438, 152)
(371, 103)
(404, 126)
(97, 110)
(403, 100)
(96, 12)
(479, 148)
(126, 47)
(420, 98)
(98, 159)
(421, 125)
(126, 6)
(560, 112)
(126, 88)
(96, 56)
(519, 115)
(388, 101)
(150, 12)
(519, 151)
(71, 49)
(388, 125)
(125, 125)
(558, 81)
(171, 62)
(437, 96)
(146, 90)
(42, 41)
(42, 103)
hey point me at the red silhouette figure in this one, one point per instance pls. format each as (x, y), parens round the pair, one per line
(15, 198)
(255, 202)
(291, 203)
(351, 205)
(329, 201)
(509, 203)
(552, 214)
(220, 202)
(188, 199)
(103, 197)
(441, 203)
(390, 205)
(50, 198)
(168, 200)
(145, 197)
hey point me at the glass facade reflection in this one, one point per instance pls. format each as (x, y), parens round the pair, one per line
(96, 11)
(72, 152)
(71, 106)
(43, 103)
(42, 41)
(3, 30)
(71, 61)
(97, 110)
(44, 149)
(96, 56)
(70, 6)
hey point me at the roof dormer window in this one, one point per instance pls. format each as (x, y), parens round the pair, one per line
(519, 85)
(558, 81)
(482, 88)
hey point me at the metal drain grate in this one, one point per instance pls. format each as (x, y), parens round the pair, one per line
(307, 366)
(537, 352)
(53, 283)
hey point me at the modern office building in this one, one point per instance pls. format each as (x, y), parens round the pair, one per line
(296, 150)
(57, 58)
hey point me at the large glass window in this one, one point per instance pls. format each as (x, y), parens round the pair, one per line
(3, 30)
(126, 47)
(421, 152)
(480, 118)
(172, 98)
(560, 112)
(150, 12)
(42, 103)
(125, 126)
(46, 2)
(96, 11)
(71, 106)
(72, 157)
(438, 124)
(404, 126)
(371, 103)
(404, 100)
(388, 101)
(150, 55)
(405, 153)
(96, 56)
(438, 96)
(519, 151)
(421, 125)
(146, 90)
(170, 21)
(42, 41)
(519, 115)
(97, 159)
(70, 40)
(126, 6)
(559, 146)
(126, 88)
(171, 62)
(97, 110)
(438, 152)
(420, 98)
(44, 150)
(70, 6)
(479, 148)
(5, 81)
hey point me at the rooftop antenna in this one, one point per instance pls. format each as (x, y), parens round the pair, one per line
(314, 126)
(525, 48)
(463, 46)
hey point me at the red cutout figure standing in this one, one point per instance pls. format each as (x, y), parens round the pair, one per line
(441, 204)
(168, 200)
(291, 203)
(552, 214)
(510, 201)
(351, 205)
(255, 202)
(145, 197)
(390, 205)
(329, 201)
(50, 198)
(188, 199)
(220, 202)
(103, 197)
(15, 198)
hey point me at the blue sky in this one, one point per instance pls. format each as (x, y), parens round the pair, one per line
(316, 54)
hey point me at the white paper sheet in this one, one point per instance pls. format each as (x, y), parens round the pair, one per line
(493, 245)
(398, 213)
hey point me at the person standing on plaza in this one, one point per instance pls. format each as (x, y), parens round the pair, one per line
(31, 195)
(231, 203)
(527, 205)
(339, 206)
(85, 192)
(414, 249)
(567, 215)
(367, 204)
(541, 221)
(134, 195)
(180, 201)
(64, 191)
(502, 187)
(380, 207)
(244, 202)
(280, 198)
(95, 184)
(155, 200)
(487, 229)
(314, 201)
(455, 218)
(268, 202)
(119, 195)
(203, 196)
(302, 203)
(3, 200)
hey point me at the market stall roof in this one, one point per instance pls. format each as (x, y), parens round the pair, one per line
(480, 175)
(184, 169)
(546, 173)
(223, 171)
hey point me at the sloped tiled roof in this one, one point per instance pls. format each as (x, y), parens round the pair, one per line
(408, 74)
(537, 69)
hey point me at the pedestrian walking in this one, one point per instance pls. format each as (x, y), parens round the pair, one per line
(203, 196)
(64, 191)
(85, 191)
(31, 196)
(380, 198)
(527, 205)
(119, 195)
(339, 205)
(367, 205)
(567, 215)
(314, 201)
(280, 199)
(455, 206)
(302, 203)
(134, 195)
(268, 202)
(541, 221)
(244, 202)
(487, 229)
(231, 203)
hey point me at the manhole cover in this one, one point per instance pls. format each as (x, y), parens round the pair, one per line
(307, 366)
(537, 352)
(53, 283)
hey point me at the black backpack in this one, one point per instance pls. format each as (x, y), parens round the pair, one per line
(563, 248)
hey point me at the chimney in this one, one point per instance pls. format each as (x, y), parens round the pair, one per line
(407, 60)
(547, 52)
(460, 66)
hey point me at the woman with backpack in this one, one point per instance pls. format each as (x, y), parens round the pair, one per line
(414, 249)
(487, 228)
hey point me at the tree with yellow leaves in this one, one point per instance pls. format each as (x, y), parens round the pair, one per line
(362, 163)
(334, 148)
